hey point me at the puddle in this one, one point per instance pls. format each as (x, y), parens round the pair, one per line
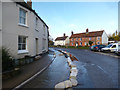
(73, 58)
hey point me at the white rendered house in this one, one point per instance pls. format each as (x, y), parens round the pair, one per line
(63, 41)
(23, 31)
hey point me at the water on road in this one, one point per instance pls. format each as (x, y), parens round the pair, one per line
(57, 72)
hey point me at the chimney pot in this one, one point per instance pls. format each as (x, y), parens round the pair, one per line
(72, 32)
(29, 2)
(64, 34)
(87, 31)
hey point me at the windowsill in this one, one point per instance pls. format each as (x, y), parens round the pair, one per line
(43, 50)
(22, 51)
(23, 25)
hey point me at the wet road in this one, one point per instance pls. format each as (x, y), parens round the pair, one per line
(57, 72)
(95, 70)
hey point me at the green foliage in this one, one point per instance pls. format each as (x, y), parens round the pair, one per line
(116, 38)
(51, 42)
(78, 47)
(7, 61)
(113, 34)
(90, 42)
(113, 37)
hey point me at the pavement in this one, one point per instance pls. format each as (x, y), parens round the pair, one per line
(57, 72)
(28, 70)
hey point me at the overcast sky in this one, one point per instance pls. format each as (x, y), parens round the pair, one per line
(64, 17)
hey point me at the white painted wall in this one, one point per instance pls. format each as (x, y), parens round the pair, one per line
(67, 41)
(104, 38)
(62, 42)
(0, 24)
(11, 30)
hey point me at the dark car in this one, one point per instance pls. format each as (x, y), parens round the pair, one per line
(97, 47)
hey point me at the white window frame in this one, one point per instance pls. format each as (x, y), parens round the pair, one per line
(76, 39)
(22, 43)
(21, 10)
(80, 39)
(72, 39)
(72, 43)
(89, 38)
(98, 38)
(98, 43)
(81, 43)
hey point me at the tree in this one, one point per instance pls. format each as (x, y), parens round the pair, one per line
(116, 38)
(90, 43)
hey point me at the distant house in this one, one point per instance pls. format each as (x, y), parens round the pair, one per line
(63, 41)
(23, 31)
(82, 39)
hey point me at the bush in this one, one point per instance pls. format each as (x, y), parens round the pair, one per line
(7, 60)
(90, 43)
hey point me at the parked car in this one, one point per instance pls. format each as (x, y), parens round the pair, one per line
(97, 47)
(110, 48)
(118, 49)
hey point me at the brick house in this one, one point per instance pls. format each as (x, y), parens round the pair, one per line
(82, 39)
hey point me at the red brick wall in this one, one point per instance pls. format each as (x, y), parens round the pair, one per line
(85, 39)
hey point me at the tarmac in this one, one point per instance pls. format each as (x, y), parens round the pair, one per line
(28, 71)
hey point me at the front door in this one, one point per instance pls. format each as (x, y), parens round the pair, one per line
(36, 46)
(76, 44)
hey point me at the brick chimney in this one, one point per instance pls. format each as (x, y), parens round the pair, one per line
(71, 32)
(87, 31)
(29, 2)
(64, 34)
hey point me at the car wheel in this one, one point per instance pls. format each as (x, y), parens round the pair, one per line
(99, 50)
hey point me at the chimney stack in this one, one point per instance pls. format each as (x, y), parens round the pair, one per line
(87, 31)
(64, 34)
(71, 32)
(29, 2)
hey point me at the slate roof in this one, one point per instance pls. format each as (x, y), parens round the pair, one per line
(89, 34)
(61, 38)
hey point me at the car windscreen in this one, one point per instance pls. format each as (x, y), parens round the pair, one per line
(109, 46)
(119, 46)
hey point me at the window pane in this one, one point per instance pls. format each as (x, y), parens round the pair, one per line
(22, 20)
(19, 39)
(23, 46)
(24, 40)
(21, 43)
(20, 13)
(19, 46)
(22, 16)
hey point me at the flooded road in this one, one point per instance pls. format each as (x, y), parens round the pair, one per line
(57, 72)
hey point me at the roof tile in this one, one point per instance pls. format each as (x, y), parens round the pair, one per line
(89, 34)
